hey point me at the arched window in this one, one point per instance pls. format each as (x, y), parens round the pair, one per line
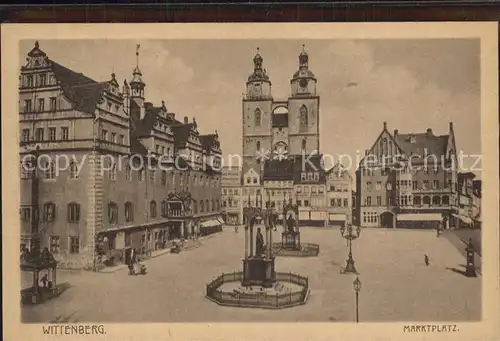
(258, 146)
(207, 205)
(112, 172)
(73, 212)
(417, 201)
(427, 200)
(128, 173)
(73, 170)
(304, 144)
(213, 205)
(248, 180)
(202, 206)
(50, 171)
(164, 208)
(446, 200)
(436, 201)
(49, 212)
(152, 209)
(195, 207)
(257, 117)
(112, 213)
(129, 211)
(304, 120)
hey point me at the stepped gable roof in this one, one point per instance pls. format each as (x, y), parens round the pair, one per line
(280, 120)
(83, 91)
(279, 169)
(435, 145)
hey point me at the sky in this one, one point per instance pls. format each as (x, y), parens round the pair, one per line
(412, 84)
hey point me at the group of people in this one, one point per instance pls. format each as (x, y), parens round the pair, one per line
(135, 266)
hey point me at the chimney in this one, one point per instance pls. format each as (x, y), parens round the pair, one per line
(429, 131)
(451, 125)
(385, 125)
(186, 120)
(367, 151)
(395, 132)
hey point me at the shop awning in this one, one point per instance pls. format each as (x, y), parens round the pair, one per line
(463, 218)
(337, 217)
(220, 220)
(317, 215)
(210, 223)
(304, 215)
(420, 217)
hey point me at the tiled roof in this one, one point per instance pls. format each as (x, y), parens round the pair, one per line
(280, 120)
(181, 133)
(83, 91)
(207, 140)
(435, 145)
(278, 169)
(147, 124)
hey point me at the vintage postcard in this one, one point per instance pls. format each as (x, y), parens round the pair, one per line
(250, 181)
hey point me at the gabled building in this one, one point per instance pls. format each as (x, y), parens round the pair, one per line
(116, 171)
(339, 195)
(408, 180)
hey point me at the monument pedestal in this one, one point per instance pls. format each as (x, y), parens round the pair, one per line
(259, 271)
(290, 240)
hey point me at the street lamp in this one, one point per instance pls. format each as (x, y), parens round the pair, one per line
(357, 288)
(350, 234)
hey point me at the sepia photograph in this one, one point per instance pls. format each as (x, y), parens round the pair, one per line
(304, 179)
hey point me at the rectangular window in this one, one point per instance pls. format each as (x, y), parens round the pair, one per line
(415, 185)
(332, 202)
(54, 244)
(26, 213)
(25, 137)
(379, 201)
(113, 137)
(74, 245)
(164, 178)
(426, 184)
(368, 186)
(41, 104)
(306, 203)
(379, 185)
(346, 202)
(27, 105)
(368, 201)
(435, 184)
(39, 134)
(339, 202)
(64, 133)
(321, 189)
(52, 104)
(52, 134)
(152, 175)
(303, 176)
(43, 80)
(122, 139)
(104, 135)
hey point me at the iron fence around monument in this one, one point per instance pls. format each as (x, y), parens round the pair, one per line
(258, 299)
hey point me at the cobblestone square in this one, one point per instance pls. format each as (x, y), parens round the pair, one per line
(396, 284)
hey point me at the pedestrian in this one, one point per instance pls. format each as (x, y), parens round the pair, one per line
(426, 259)
(44, 280)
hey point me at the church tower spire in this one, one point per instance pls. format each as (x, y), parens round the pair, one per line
(258, 83)
(136, 84)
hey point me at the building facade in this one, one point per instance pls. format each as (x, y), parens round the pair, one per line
(114, 171)
(232, 204)
(408, 180)
(339, 195)
(278, 135)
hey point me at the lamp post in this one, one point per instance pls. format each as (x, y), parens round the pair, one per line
(357, 288)
(470, 269)
(350, 234)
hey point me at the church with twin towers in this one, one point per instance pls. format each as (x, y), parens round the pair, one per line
(278, 135)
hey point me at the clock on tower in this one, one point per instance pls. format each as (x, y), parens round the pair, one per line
(303, 84)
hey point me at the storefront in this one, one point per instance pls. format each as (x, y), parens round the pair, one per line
(211, 226)
(337, 219)
(419, 220)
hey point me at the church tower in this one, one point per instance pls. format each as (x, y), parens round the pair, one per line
(137, 89)
(303, 109)
(257, 120)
